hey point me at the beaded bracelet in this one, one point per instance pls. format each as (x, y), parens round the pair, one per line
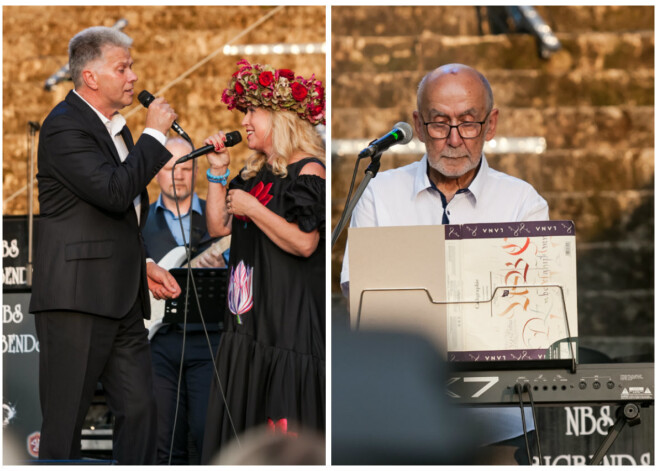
(222, 179)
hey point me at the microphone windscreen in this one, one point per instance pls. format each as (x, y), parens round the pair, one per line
(232, 138)
(146, 98)
(407, 131)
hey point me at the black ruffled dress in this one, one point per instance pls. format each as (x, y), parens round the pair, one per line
(271, 358)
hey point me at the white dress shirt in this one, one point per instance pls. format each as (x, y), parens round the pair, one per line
(405, 196)
(114, 127)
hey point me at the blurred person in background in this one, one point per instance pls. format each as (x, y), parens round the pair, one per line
(162, 234)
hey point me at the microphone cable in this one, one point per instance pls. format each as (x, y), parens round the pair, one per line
(528, 387)
(519, 390)
(187, 243)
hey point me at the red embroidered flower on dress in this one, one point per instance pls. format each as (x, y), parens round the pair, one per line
(260, 191)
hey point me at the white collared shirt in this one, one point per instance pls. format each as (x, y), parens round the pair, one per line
(405, 196)
(114, 127)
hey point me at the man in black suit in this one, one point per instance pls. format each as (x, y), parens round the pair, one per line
(90, 280)
(162, 233)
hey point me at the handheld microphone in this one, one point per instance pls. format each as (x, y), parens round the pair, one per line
(232, 138)
(146, 98)
(402, 133)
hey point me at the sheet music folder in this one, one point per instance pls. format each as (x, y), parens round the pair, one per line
(418, 279)
(211, 286)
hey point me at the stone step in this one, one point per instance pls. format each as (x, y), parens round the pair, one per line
(462, 20)
(623, 349)
(610, 267)
(601, 212)
(422, 52)
(600, 272)
(184, 44)
(160, 28)
(607, 127)
(196, 98)
(616, 312)
(580, 19)
(33, 72)
(511, 88)
(581, 170)
(603, 216)
(613, 216)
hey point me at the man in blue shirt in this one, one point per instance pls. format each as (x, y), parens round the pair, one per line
(162, 235)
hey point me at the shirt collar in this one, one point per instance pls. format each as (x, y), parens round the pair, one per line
(114, 125)
(422, 181)
(196, 205)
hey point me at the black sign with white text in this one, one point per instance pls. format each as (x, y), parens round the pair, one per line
(21, 411)
(15, 238)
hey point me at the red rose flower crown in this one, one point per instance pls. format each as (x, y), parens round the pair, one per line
(277, 89)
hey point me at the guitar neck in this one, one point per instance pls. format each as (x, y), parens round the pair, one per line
(218, 247)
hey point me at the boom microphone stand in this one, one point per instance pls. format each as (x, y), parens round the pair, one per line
(370, 173)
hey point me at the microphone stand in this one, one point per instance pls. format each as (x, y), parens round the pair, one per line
(33, 128)
(370, 173)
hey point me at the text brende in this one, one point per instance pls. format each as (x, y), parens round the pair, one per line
(619, 459)
(14, 276)
(19, 343)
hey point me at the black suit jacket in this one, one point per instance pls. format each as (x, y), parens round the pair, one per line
(158, 238)
(90, 256)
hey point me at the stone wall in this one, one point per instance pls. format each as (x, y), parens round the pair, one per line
(592, 101)
(167, 41)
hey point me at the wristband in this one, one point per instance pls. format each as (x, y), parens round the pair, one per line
(222, 179)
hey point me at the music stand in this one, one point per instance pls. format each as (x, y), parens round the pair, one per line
(211, 286)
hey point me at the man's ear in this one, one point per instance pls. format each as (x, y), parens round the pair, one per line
(90, 79)
(492, 124)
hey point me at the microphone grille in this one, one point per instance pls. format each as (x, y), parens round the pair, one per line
(406, 130)
(146, 98)
(233, 138)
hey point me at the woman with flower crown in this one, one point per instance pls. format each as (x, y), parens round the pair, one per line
(271, 359)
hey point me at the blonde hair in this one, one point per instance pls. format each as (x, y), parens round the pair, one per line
(289, 134)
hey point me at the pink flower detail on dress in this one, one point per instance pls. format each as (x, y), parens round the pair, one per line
(239, 295)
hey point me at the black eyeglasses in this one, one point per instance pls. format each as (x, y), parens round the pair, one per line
(469, 130)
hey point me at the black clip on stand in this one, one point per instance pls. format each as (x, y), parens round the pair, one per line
(370, 173)
(627, 414)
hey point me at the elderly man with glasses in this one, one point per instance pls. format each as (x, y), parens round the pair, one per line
(453, 184)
